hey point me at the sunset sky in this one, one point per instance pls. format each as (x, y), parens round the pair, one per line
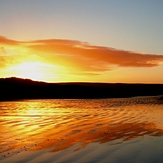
(82, 40)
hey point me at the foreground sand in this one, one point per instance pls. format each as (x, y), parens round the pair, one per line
(106, 130)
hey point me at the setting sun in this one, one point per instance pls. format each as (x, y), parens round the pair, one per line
(32, 70)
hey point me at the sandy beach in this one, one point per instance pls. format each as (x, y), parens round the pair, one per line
(105, 130)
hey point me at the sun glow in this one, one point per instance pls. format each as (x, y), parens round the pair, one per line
(32, 70)
(33, 112)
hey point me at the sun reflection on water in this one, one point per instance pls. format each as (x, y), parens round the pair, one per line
(35, 125)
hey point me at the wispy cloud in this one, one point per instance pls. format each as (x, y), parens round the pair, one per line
(95, 57)
(5, 41)
(84, 56)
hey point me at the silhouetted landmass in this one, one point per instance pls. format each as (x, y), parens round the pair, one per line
(16, 88)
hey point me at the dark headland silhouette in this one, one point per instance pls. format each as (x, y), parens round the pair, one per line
(16, 88)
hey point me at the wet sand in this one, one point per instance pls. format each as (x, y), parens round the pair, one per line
(102, 130)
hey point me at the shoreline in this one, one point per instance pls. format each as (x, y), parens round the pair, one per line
(108, 130)
(26, 89)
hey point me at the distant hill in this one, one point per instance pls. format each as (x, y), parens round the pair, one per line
(16, 88)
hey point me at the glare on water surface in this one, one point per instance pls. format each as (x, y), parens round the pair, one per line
(57, 125)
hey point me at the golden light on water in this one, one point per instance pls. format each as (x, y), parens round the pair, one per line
(52, 127)
(33, 112)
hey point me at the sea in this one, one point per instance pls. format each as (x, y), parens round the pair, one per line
(82, 130)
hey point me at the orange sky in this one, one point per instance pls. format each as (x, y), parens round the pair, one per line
(57, 60)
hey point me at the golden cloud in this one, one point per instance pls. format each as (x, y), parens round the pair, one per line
(83, 56)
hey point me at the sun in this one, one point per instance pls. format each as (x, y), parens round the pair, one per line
(32, 70)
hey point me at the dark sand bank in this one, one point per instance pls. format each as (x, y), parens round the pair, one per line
(16, 88)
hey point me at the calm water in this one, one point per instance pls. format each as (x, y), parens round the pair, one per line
(104, 130)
